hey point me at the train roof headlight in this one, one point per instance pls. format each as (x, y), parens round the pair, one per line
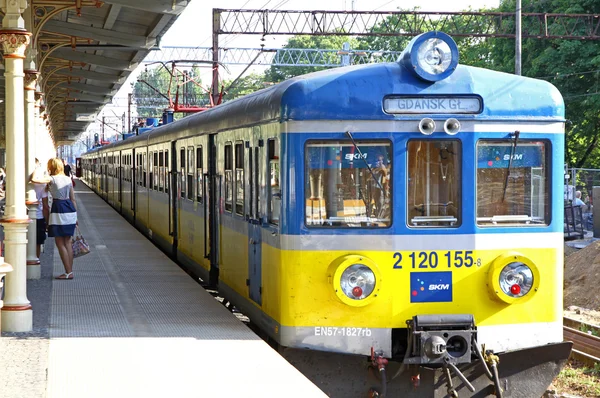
(516, 279)
(358, 281)
(433, 56)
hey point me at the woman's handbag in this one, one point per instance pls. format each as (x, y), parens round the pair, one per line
(80, 246)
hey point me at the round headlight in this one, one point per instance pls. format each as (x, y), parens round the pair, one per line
(357, 281)
(516, 279)
(433, 56)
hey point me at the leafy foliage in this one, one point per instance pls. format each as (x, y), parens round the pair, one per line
(277, 74)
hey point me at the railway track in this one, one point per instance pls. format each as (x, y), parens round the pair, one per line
(586, 343)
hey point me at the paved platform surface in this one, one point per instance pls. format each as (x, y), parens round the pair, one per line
(133, 324)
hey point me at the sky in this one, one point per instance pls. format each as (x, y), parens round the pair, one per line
(193, 28)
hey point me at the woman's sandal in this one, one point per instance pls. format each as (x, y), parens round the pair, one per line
(65, 276)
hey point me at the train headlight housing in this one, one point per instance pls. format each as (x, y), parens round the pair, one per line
(356, 280)
(516, 279)
(433, 56)
(513, 278)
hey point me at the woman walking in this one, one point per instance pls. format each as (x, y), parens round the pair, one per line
(63, 213)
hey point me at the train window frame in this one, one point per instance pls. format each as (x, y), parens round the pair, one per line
(150, 169)
(240, 184)
(228, 168)
(517, 220)
(274, 186)
(167, 169)
(161, 170)
(190, 173)
(443, 221)
(182, 184)
(156, 171)
(361, 143)
(199, 174)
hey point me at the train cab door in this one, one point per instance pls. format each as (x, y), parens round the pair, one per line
(213, 207)
(174, 192)
(254, 224)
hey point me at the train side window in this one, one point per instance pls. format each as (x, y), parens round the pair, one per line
(145, 166)
(434, 175)
(190, 173)
(139, 169)
(346, 190)
(239, 178)
(167, 167)
(274, 198)
(151, 167)
(182, 171)
(228, 178)
(513, 183)
(199, 174)
(161, 170)
(156, 171)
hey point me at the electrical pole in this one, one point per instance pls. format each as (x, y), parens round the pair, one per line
(102, 139)
(518, 39)
(129, 112)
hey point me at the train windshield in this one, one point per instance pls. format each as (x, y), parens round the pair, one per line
(433, 196)
(512, 182)
(348, 184)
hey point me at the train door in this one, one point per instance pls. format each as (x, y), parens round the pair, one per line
(173, 189)
(255, 225)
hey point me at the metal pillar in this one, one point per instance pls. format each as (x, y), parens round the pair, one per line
(215, 56)
(17, 315)
(34, 270)
(518, 39)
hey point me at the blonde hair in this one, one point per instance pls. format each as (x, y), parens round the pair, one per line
(55, 166)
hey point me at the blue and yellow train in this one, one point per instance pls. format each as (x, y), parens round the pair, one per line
(408, 212)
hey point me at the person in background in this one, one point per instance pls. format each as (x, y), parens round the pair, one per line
(43, 211)
(578, 201)
(62, 219)
(68, 171)
(2, 180)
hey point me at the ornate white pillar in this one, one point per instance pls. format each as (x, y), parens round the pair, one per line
(17, 315)
(34, 270)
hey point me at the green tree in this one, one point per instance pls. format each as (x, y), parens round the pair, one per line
(243, 86)
(573, 66)
(276, 74)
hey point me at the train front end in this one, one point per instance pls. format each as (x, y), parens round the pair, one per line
(424, 223)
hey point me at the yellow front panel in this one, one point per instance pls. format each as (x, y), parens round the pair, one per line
(308, 297)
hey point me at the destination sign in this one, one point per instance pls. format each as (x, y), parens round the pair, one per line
(432, 104)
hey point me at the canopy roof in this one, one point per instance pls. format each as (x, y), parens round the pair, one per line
(85, 51)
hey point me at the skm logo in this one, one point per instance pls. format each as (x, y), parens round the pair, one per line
(442, 286)
(355, 156)
(514, 157)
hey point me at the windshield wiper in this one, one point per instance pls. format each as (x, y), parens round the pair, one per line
(364, 160)
(512, 153)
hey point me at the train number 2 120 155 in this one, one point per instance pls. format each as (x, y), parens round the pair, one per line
(425, 260)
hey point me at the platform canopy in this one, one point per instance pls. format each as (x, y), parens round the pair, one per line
(85, 51)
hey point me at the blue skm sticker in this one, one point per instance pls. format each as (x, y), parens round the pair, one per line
(431, 287)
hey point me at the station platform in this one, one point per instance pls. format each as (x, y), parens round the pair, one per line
(133, 324)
